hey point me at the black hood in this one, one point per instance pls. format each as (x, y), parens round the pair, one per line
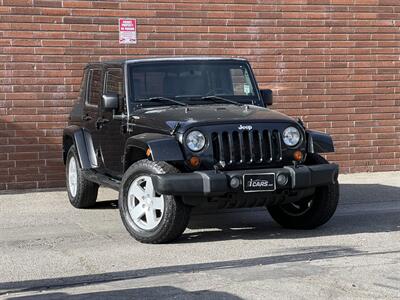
(165, 118)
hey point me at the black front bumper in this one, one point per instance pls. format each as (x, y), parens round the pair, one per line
(217, 183)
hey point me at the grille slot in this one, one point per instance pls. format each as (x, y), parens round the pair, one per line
(247, 147)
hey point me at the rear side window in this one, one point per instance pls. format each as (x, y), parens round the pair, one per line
(82, 91)
(114, 82)
(94, 87)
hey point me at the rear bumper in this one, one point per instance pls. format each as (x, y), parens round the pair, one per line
(217, 183)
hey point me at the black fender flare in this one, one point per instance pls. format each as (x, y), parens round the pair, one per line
(82, 140)
(162, 147)
(319, 142)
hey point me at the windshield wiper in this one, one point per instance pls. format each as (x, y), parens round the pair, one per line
(157, 99)
(215, 98)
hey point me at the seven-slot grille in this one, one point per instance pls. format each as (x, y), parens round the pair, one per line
(247, 146)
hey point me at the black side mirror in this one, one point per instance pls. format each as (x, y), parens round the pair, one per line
(267, 97)
(109, 102)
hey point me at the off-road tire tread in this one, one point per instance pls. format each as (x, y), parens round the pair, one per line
(87, 191)
(174, 225)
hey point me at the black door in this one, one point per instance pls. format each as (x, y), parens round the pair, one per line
(91, 109)
(113, 134)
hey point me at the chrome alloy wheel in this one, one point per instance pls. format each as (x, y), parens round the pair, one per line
(72, 176)
(145, 206)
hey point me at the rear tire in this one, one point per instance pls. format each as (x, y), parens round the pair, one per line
(82, 193)
(310, 212)
(150, 217)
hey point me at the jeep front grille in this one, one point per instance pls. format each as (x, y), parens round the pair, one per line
(246, 147)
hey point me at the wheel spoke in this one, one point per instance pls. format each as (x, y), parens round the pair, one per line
(138, 192)
(158, 203)
(151, 218)
(137, 212)
(149, 188)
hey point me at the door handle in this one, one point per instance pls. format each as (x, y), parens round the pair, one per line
(100, 122)
(86, 118)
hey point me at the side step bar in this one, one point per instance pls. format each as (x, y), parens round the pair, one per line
(101, 179)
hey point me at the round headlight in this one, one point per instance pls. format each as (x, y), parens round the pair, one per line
(291, 136)
(195, 140)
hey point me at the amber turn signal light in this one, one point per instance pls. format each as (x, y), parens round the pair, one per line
(297, 155)
(194, 161)
(148, 152)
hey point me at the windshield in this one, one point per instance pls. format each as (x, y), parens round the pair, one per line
(191, 83)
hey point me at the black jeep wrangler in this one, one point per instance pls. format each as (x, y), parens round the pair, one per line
(174, 133)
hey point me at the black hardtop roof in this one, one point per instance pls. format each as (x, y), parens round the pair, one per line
(164, 59)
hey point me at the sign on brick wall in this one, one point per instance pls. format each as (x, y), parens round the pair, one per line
(127, 31)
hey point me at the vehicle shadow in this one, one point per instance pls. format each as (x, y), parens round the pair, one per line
(362, 209)
(158, 292)
(107, 204)
(292, 255)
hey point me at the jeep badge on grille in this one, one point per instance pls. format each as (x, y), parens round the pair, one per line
(245, 127)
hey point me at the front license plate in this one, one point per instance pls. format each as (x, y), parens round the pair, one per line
(259, 182)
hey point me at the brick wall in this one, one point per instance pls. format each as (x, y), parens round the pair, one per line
(335, 63)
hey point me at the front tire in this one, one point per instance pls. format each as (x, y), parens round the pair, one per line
(82, 193)
(310, 212)
(150, 217)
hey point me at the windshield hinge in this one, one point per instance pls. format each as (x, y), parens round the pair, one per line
(175, 129)
(300, 121)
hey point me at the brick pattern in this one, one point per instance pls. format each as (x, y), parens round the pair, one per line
(335, 63)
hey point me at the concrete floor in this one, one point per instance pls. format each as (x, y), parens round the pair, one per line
(49, 250)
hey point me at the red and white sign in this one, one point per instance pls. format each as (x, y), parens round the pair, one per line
(127, 31)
